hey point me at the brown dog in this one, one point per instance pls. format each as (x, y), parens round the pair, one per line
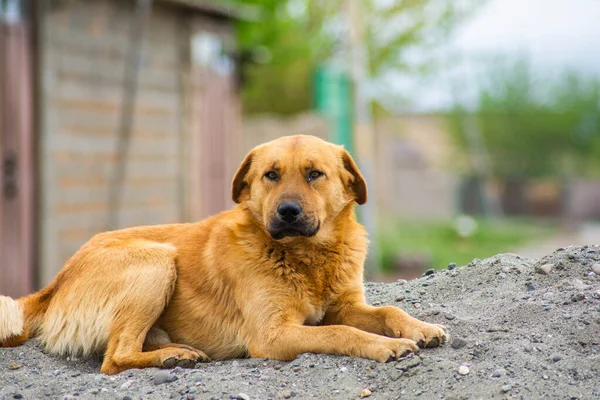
(278, 275)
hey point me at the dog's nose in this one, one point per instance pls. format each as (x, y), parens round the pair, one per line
(289, 211)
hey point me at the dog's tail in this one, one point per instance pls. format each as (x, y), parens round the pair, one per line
(19, 319)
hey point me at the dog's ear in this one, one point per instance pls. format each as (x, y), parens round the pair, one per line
(240, 185)
(357, 183)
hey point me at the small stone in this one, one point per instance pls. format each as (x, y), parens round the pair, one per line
(475, 261)
(502, 275)
(94, 391)
(17, 396)
(240, 396)
(531, 287)
(451, 266)
(505, 270)
(365, 393)
(296, 369)
(277, 367)
(430, 271)
(556, 358)
(417, 305)
(463, 370)
(14, 366)
(577, 297)
(163, 377)
(126, 398)
(402, 281)
(458, 343)
(499, 373)
(418, 392)
(596, 268)
(548, 296)
(127, 384)
(286, 394)
(506, 388)
(449, 316)
(400, 298)
(409, 362)
(544, 269)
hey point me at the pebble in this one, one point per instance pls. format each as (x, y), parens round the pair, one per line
(458, 343)
(548, 296)
(531, 287)
(365, 393)
(505, 270)
(452, 266)
(577, 297)
(449, 316)
(556, 358)
(596, 268)
(17, 396)
(502, 275)
(506, 388)
(544, 269)
(402, 281)
(286, 394)
(296, 369)
(463, 370)
(126, 398)
(240, 396)
(163, 377)
(430, 271)
(13, 366)
(409, 362)
(94, 391)
(528, 348)
(499, 373)
(127, 384)
(400, 298)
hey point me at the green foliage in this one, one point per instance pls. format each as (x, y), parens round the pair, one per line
(301, 34)
(440, 241)
(536, 128)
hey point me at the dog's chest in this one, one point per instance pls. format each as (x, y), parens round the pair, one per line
(314, 314)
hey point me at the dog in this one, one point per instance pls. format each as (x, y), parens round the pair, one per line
(279, 274)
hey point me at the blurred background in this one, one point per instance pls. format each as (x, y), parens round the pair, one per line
(476, 122)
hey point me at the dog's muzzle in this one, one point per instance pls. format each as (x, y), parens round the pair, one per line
(291, 220)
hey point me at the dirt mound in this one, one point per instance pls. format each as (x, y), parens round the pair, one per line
(520, 328)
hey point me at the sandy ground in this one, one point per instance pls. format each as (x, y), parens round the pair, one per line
(518, 332)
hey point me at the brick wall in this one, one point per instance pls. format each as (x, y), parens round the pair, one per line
(84, 48)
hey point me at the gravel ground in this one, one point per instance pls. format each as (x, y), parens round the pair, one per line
(520, 329)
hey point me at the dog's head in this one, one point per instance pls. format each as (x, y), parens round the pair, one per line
(298, 185)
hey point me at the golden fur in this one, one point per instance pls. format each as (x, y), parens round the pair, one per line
(243, 283)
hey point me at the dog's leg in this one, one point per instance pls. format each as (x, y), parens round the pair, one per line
(287, 341)
(389, 321)
(145, 291)
(154, 347)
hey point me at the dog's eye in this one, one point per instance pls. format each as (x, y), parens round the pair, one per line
(314, 174)
(272, 176)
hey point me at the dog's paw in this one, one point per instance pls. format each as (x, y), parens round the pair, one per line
(425, 334)
(387, 349)
(184, 357)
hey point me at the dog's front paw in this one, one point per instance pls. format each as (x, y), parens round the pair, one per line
(425, 334)
(385, 349)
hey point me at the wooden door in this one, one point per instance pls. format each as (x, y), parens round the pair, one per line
(215, 118)
(16, 152)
